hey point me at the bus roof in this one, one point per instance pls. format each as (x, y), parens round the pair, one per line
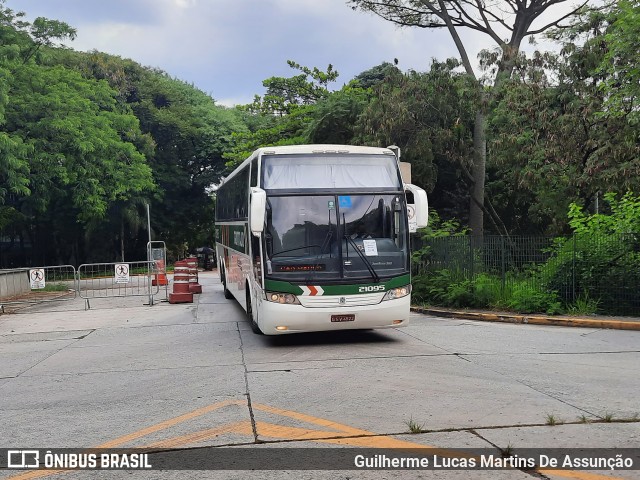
(310, 149)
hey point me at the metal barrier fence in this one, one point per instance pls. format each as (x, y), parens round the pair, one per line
(105, 280)
(604, 270)
(157, 252)
(37, 285)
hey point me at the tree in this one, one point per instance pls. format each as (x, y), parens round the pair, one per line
(554, 140)
(513, 19)
(621, 60)
(68, 150)
(282, 116)
(334, 119)
(19, 42)
(191, 134)
(430, 116)
(185, 136)
(375, 75)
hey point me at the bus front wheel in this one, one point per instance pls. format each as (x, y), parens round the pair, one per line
(250, 314)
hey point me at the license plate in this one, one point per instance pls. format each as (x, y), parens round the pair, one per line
(343, 318)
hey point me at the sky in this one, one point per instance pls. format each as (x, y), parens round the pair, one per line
(226, 48)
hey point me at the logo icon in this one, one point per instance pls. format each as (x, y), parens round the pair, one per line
(342, 300)
(23, 459)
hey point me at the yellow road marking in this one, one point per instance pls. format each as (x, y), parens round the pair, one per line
(135, 435)
(356, 437)
(575, 474)
(197, 437)
(309, 419)
(168, 423)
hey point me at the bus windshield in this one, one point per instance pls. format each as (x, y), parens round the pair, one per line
(336, 237)
(326, 171)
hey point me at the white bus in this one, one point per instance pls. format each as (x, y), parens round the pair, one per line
(316, 237)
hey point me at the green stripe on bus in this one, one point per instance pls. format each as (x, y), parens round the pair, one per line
(287, 287)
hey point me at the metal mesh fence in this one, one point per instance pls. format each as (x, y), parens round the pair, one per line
(37, 284)
(602, 269)
(103, 280)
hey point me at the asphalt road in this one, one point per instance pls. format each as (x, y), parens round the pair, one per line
(180, 376)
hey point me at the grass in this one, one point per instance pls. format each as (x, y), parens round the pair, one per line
(552, 420)
(508, 451)
(607, 417)
(54, 287)
(414, 427)
(583, 305)
(583, 419)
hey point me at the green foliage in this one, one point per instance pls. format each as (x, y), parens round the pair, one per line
(55, 287)
(437, 228)
(285, 94)
(191, 134)
(334, 118)
(376, 75)
(532, 298)
(80, 142)
(430, 116)
(491, 291)
(88, 139)
(22, 40)
(583, 305)
(552, 140)
(622, 87)
(283, 116)
(452, 289)
(624, 216)
(602, 256)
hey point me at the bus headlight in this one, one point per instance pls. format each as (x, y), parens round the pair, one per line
(397, 293)
(288, 298)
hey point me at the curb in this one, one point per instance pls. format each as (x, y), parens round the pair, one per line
(532, 319)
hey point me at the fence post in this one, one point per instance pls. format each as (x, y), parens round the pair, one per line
(471, 247)
(502, 265)
(573, 270)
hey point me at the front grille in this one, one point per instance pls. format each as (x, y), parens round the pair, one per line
(333, 301)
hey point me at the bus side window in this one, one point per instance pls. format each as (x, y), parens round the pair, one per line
(254, 173)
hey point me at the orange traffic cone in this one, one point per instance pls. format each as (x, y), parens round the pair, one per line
(161, 274)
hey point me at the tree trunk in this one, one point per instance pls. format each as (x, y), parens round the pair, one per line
(478, 172)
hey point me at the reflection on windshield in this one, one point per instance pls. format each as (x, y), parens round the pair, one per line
(335, 237)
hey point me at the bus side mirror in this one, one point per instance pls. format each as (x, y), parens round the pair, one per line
(418, 211)
(258, 209)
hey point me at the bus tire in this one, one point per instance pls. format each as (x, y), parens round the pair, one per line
(254, 325)
(227, 294)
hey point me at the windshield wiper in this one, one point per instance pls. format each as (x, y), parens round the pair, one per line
(367, 263)
(325, 243)
(294, 249)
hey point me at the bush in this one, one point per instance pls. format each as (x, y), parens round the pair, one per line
(527, 298)
(596, 270)
(602, 260)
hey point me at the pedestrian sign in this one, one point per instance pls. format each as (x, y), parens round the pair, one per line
(122, 273)
(36, 278)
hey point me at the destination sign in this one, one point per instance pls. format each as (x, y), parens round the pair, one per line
(319, 267)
